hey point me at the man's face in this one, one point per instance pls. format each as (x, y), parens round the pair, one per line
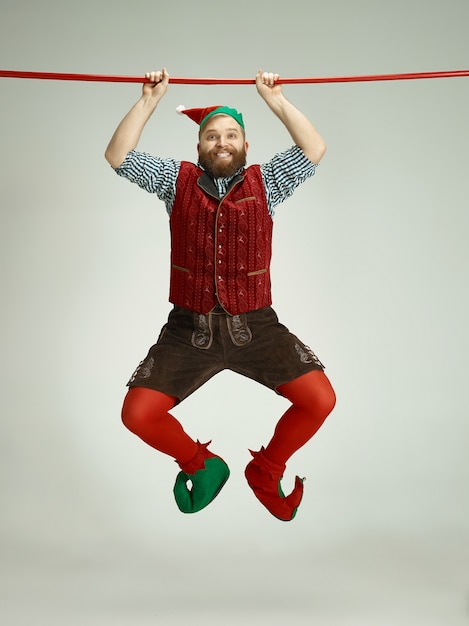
(222, 146)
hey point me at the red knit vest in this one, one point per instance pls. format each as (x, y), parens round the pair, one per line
(220, 249)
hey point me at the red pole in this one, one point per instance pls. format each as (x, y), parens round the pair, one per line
(229, 81)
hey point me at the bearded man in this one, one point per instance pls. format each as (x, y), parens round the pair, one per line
(221, 216)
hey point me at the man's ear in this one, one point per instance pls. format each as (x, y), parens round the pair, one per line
(198, 148)
(246, 146)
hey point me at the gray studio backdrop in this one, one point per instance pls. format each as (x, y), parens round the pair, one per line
(370, 269)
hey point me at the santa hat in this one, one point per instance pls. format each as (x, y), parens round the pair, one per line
(200, 116)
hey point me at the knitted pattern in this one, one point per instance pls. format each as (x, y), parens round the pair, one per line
(220, 247)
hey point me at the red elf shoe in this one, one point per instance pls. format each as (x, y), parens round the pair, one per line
(264, 478)
(207, 474)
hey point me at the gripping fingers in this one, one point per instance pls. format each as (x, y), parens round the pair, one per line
(269, 78)
(155, 77)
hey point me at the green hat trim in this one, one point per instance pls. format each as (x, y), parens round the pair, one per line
(224, 111)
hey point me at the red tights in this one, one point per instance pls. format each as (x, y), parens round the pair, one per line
(146, 414)
(312, 398)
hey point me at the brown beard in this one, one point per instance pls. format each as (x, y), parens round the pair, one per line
(217, 169)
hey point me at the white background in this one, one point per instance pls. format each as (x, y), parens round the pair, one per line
(370, 269)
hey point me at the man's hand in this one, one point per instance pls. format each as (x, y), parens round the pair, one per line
(158, 84)
(267, 86)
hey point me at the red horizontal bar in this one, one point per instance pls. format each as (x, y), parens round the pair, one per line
(229, 81)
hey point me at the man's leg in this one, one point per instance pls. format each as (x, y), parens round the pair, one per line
(312, 398)
(146, 413)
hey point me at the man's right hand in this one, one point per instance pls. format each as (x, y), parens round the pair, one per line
(158, 84)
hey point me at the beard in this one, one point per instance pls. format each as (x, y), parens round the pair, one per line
(218, 169)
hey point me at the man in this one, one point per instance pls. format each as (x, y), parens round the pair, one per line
(221, 233)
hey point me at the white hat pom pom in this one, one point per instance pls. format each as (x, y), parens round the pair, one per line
(180, 109)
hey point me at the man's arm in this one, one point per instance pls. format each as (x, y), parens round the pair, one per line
(127, 134)
(300, 128)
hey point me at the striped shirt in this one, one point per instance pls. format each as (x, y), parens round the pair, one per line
(281, 175)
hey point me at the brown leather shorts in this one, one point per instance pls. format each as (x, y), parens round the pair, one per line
(193, 347)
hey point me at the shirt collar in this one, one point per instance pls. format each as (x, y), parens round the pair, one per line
(223, 182)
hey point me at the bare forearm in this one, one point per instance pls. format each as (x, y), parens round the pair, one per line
(303, 133)
(127, 134)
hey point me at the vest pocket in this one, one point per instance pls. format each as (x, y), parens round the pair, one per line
(257, 272)
(248, 199)
(179, 268)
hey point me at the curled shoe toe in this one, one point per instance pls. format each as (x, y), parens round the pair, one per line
(264, 477)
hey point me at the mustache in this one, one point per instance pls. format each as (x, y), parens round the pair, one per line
(227, 150)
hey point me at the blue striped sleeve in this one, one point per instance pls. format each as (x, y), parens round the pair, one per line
(151, 173)
(284, 173)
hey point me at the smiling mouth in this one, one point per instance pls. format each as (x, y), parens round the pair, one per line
(223, 155)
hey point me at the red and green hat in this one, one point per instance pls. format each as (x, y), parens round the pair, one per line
(202, 115)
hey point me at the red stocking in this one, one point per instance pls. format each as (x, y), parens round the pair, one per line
(145, 413)
(312, 400)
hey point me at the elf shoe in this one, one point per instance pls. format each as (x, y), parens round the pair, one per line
(264, 478)
(207, 474)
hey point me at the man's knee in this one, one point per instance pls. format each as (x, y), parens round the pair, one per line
(312, 390)
(142, 406)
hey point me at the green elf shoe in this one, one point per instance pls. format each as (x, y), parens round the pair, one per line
(207, 473)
